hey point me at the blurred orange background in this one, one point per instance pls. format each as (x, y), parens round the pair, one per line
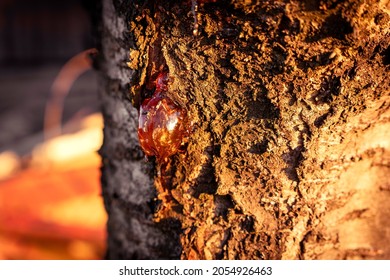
(50, 196)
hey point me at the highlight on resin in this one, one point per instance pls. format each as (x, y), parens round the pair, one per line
(162, 125)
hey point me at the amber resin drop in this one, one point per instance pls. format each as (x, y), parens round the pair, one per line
(162, 124)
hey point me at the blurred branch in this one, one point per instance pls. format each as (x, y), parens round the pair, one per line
(61, 86)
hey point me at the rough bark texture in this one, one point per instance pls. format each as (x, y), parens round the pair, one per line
(127, 179)
(289, 151)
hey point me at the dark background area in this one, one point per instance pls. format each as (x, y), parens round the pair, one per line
(50, 204)
(36, 39)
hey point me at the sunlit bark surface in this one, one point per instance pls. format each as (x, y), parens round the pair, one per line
(289, 151)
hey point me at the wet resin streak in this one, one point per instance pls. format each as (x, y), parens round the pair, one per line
(162, 124)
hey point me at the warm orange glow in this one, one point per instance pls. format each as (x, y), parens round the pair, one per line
(53, 209)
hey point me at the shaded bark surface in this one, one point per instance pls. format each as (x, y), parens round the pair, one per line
(289, 151)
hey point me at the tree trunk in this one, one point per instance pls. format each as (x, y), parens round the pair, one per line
(288, 148)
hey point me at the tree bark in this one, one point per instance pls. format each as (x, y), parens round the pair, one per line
(288, 152)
